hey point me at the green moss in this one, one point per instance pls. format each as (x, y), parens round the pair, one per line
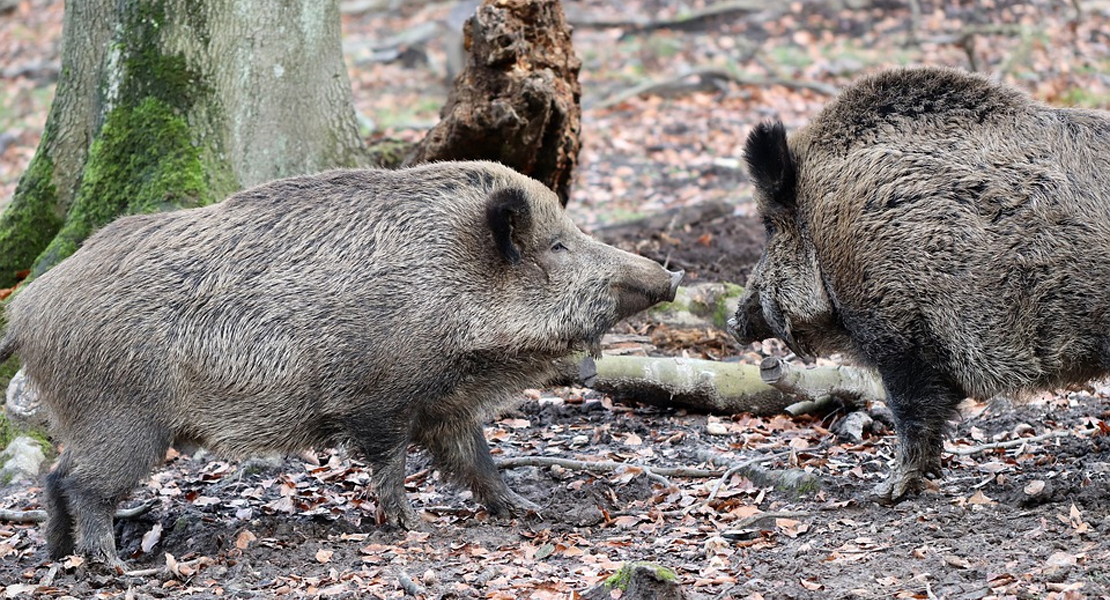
(144, 158)
(621, 578)
(725, 310)
(30, 221)
(149, 73)
(144, 161)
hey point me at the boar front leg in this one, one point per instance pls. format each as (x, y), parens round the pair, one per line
(460, 452)
(924, 402)
(384, 450)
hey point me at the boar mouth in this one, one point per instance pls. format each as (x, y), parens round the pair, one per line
(758, 319)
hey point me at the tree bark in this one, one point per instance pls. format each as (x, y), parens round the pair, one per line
(728, 388)
(177, 103)
(518, 100)
(705, 385)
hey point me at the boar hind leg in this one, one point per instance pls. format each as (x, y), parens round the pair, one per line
(83, 491)
(461, 453)
(59, 516)
(924, 402)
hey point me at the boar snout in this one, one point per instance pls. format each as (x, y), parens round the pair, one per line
(676, 279)
(749, 325)
(644, 287)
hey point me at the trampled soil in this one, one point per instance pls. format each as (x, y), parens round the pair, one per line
(1029, 522)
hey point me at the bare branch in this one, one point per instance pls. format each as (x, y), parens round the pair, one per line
(1008, 443)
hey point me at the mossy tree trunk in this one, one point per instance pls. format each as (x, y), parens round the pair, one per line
(177, 103)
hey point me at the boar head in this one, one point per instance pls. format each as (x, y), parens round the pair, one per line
(786, 297)
(563, 289)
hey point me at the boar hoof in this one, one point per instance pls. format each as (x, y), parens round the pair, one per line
(101, 563)
(512, 504)
(899, 486)
(404, 519)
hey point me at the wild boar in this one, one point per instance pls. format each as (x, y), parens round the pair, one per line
(360, 307)
(946, 230)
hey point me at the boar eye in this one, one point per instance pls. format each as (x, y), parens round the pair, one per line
(770, 226)
(558, 247)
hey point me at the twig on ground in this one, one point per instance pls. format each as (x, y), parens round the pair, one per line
(659, 474)
(411, 587)
(1008, 443)
(789, 479)
(22, 516)
(145, 572)
(39, 516)
(739, 469)
(688, 18)
(172, 567)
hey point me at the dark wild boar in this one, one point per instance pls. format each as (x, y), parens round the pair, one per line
(359, 307)
(948, 231)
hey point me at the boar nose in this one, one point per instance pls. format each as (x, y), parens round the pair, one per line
(733, 326)
(676, 278)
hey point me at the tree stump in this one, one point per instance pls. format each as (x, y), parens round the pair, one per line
(639, 581)
(517, 101)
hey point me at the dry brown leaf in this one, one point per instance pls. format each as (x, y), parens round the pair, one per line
(980, 498)
(244, 539)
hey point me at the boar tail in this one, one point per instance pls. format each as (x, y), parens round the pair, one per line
(771, 165)
(7, 347)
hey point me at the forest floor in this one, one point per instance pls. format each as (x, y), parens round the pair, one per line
(1024, 510)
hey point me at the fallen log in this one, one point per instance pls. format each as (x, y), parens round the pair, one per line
(728, 387)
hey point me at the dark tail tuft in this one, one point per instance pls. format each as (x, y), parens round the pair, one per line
(7, 347)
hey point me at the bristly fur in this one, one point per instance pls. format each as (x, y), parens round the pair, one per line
(370, 308)
(945, 229)
(7, 347)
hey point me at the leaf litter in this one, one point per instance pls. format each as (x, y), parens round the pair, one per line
(1024, 509)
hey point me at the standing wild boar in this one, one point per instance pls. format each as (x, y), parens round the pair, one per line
(946, 230)
(371, 308)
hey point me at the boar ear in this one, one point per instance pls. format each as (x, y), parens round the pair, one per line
(509, 217)
(771, 165)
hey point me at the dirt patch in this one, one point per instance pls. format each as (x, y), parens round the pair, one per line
(295, 528)
(1029, 521)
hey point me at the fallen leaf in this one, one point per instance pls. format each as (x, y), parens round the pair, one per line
(1034, 487)
(244, 539)
(980, 498)
(323, 556)
(810, 585)
(1060, 560)
(544, 551)
(716, 428)
(957, 561)
(151, 538)
(171, 565)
